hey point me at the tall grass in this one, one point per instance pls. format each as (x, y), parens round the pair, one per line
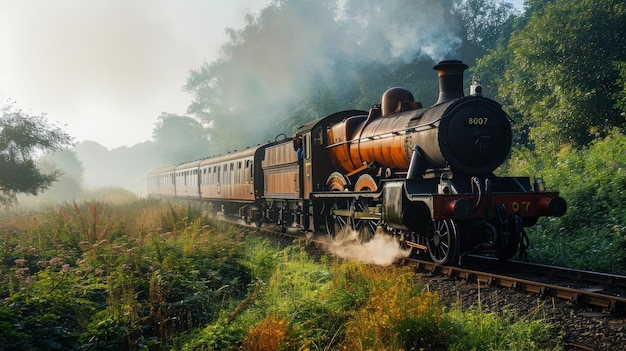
(150, 275)
(113, 276)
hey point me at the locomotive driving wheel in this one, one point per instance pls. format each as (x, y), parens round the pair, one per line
(442, 241)
(338, 222)
(365, 222)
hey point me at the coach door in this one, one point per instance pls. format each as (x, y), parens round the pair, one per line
(306, 176)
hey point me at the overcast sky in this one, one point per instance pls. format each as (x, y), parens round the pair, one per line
(106, 69)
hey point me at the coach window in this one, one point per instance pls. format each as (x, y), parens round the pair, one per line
(232, 173)
(248, 170)
(239, 174)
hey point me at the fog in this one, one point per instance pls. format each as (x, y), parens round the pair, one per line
(106, 69)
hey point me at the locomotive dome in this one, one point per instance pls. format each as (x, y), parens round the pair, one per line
(394, 96)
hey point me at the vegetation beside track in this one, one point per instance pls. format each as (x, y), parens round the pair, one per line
(148, 275)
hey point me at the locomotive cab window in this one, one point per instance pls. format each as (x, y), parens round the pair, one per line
(318, 136)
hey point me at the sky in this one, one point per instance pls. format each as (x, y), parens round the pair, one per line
(105, 70)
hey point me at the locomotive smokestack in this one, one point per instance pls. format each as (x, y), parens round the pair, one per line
(450, 74)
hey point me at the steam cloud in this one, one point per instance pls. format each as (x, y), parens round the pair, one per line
(285, 51)
(383, 249)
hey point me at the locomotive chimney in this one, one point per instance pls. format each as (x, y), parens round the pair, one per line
(450, 74)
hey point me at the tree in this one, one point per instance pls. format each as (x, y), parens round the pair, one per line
(485, 20)
(179, 139)
(69, 184)
(561, 76)
(23, 137)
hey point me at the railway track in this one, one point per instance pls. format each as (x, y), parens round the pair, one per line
(599, 290)
(598, 296)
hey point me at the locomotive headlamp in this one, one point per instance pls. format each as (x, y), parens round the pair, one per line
(539, 185)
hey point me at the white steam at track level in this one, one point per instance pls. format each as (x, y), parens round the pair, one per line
(383, 249)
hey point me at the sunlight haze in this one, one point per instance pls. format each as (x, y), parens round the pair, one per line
(105, 70)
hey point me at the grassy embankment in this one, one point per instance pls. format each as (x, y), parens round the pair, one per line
(152, 276)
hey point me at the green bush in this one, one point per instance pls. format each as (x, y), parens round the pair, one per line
(592, 234)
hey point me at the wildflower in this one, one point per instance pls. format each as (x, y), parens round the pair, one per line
(20, 262)
(65, 268)
(22, 273)
(56, 261)
(43, 264)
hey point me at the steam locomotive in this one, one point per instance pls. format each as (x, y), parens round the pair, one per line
(422, 174)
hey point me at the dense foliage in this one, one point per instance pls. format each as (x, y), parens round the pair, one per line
(592, 234)
(559, 75)
(148, 275)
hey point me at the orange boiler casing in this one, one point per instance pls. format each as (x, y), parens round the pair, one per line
(358, 140)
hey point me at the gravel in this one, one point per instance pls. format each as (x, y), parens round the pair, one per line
(581, 328)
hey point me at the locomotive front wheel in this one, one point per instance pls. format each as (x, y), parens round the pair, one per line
(337, 225)
(442, 241)
(509, 245)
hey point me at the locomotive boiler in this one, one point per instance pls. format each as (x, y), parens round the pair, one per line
(422, 174)
(471, 136)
